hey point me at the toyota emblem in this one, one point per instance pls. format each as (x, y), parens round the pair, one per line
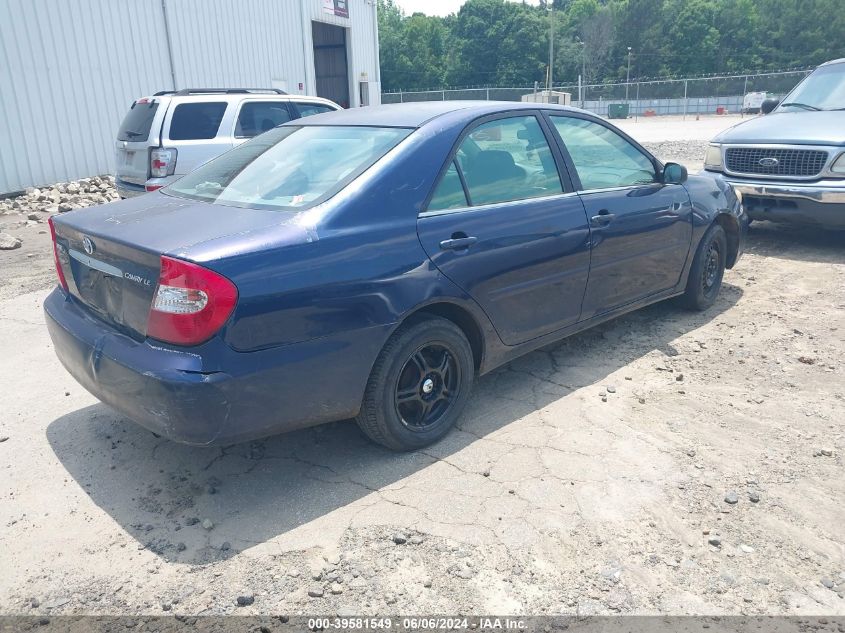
(88, 245)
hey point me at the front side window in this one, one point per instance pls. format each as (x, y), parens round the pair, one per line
(602, 158)
(196, 121)
(310, 109)
(257, 117)
(289, 167)
(507, 159)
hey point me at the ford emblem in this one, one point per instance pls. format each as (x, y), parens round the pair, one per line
(768, 162)
(88, 245)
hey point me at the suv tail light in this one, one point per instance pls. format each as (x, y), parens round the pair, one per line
(191, 303)
(59, 272)
(162, 162)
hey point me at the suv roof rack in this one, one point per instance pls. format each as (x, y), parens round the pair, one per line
(223, 91)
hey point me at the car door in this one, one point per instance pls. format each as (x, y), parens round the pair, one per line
(641, 228)
(504, 224)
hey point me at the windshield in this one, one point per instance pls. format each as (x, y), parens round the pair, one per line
(289, 167)
(824, 89)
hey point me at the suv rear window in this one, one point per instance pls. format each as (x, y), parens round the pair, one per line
(138, 121)
(196, 121)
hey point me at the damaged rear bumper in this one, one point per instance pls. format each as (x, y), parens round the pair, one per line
(211, 394)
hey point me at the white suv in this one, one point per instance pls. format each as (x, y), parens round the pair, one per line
(167, 135)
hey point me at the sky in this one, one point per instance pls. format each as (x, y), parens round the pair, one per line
(436, 7)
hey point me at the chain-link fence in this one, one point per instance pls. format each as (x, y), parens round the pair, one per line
(692, 95)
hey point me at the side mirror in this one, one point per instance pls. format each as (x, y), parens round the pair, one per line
(674, 174)
(768, 105)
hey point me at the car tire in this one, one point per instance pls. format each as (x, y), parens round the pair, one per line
(419, 385)
(708, 268)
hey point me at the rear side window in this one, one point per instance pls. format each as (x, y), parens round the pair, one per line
(310, 109)
(138, 121)
(508, 159)
(259, 116)
(196, 121)
(450, 192)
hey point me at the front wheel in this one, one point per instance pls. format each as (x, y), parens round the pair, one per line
(708, 268)
(419, 385)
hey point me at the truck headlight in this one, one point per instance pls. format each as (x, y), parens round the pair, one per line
(713, 159)
(838, 166)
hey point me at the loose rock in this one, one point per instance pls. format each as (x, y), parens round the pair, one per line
(207, 524)
(731, 497)
(245, 600)
(399, 538)
(9, 242)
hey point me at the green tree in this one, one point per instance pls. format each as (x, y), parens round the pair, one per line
(499, 42)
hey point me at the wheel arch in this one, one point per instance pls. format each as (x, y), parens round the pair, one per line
(460, 316)
(733, 232)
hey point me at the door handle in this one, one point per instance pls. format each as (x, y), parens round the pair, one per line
(604, 218)
(456, 243)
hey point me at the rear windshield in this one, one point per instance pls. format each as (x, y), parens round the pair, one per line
(196, 121)
(138, 121)
(289, 167)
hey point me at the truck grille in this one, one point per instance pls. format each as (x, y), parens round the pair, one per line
(775, 162)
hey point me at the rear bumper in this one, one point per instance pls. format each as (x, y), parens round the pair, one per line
(821, 203)
(128, 189)
(212, 394)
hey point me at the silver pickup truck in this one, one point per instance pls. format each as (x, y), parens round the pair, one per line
(789, 166)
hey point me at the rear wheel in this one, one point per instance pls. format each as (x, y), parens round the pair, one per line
(419, 385)
(708, 268)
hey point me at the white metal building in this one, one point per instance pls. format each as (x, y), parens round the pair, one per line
(70, 69)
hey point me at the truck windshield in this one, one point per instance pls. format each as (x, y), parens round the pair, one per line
(824, 89)
(289, 167)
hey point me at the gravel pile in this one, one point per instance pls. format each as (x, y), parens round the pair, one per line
(687, 153)
(35, 205)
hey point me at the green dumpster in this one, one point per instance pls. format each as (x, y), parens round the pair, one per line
(617, 111)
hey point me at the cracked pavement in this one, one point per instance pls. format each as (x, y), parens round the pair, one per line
(586, 478)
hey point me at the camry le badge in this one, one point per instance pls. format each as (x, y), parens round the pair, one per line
(88, 245)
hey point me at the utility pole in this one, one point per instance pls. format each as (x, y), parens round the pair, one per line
(582, 78)
(628, 80)
(551, 49)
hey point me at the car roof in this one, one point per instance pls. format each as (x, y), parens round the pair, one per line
(834, 61)
(417, 114)
(235, 97)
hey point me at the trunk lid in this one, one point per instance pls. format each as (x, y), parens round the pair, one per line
(140, 130)
(111, 254)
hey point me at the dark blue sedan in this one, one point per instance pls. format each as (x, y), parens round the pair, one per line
(371, 263)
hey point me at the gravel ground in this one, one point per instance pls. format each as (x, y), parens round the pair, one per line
(666, 462)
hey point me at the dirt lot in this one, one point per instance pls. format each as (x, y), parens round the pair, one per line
(590, 477)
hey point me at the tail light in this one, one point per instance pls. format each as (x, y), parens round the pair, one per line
(162, 162)
(59, 272)
(191, 303)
